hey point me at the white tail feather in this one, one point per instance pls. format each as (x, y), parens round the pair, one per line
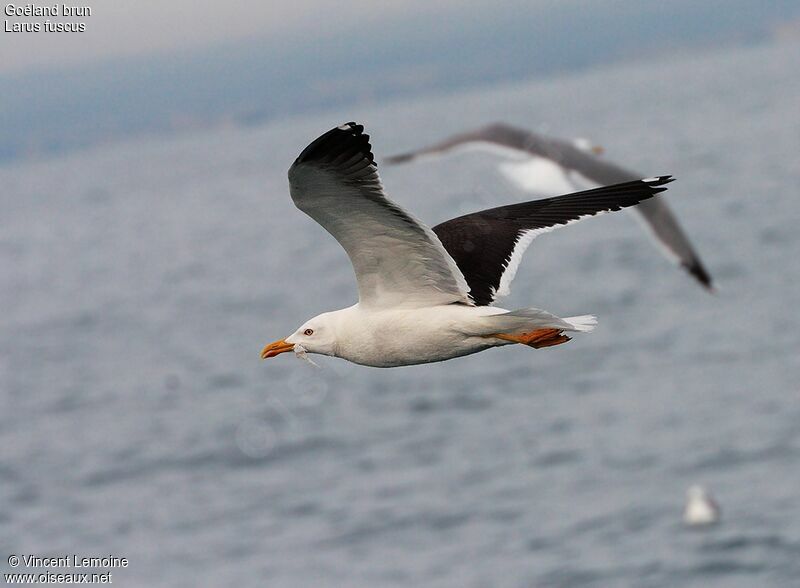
(583, 323)
(528, 319)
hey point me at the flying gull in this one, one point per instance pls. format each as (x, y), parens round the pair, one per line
(545, 165)
(424, 295)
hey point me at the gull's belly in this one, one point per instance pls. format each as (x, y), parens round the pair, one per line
(400, 338)
(425, 347)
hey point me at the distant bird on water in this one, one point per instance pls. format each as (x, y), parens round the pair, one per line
(424, 294)
(546, 165)
(701, 509)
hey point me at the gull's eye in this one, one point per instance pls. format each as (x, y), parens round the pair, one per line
(308, 332)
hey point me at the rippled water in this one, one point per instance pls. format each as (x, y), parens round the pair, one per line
(140, 281)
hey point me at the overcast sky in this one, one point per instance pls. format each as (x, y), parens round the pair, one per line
(136, 27)
(118, 28)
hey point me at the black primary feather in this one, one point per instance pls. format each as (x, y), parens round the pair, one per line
(345, 150)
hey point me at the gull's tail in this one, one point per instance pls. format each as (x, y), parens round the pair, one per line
(529, 319)
(583, 323)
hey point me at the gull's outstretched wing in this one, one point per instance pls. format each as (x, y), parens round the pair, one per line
(398, 261)
(488, 245)
(549, 165)
(502, 139)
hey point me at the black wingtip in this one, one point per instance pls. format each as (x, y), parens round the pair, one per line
(699, 273)
(657, 181)
(343, 141)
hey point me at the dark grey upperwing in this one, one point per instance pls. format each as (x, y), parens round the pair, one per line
(483, 243)
(655, 212)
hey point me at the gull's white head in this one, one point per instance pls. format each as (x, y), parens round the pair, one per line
(317, 335)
